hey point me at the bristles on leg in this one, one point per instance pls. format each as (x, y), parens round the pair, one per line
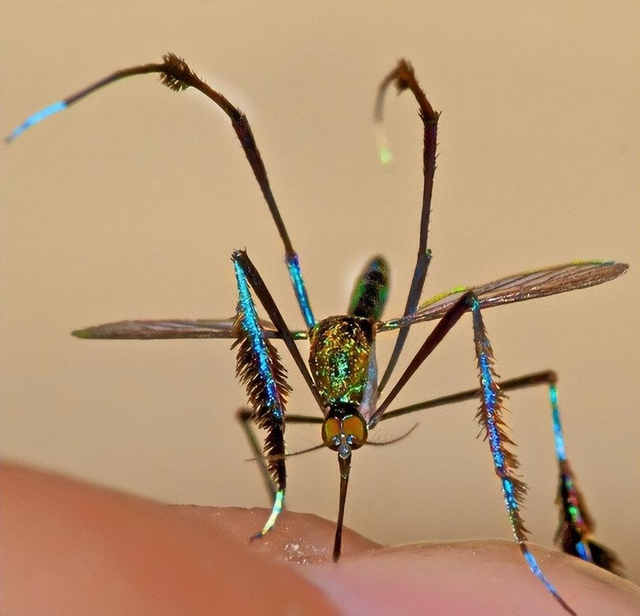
(177, 73)
(504, 461)
(259, 368)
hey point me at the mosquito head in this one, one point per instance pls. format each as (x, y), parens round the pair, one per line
(344, 429)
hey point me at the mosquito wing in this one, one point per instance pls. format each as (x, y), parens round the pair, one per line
(517, 288)
(165, 329)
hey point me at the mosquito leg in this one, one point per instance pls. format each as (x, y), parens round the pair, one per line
(404, 78)
(576, 527)
(575, 531)
(490, 418)
(443, 327)
(505, 461)
(259, 369)
(246, 418)
(176, 75)
(241, 260)
(528, 380)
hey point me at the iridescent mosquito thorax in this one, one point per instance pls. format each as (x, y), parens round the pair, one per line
(339, 357)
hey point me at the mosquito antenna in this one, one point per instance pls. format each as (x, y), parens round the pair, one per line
(292, 454)
(307, 450)
(390, 441)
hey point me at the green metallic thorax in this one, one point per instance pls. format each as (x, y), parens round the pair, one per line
(339, 357)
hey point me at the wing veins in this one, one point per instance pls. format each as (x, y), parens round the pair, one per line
(169, 329)
(516, 288)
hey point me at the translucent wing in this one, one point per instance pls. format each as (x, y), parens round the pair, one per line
(171, 328)
(517, 288)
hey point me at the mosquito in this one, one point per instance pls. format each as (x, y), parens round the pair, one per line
(342, 372)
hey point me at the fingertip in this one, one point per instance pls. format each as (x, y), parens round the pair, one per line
(72, 548)
(479, 577)
(300, 538)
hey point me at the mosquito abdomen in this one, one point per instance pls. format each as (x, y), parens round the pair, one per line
(370, 293)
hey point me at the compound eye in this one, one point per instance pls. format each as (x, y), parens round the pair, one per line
(355, 429)
(331, 433)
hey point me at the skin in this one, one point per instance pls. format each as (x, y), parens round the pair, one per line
(68, 548)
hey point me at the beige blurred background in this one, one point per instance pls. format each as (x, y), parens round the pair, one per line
(130, 204)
